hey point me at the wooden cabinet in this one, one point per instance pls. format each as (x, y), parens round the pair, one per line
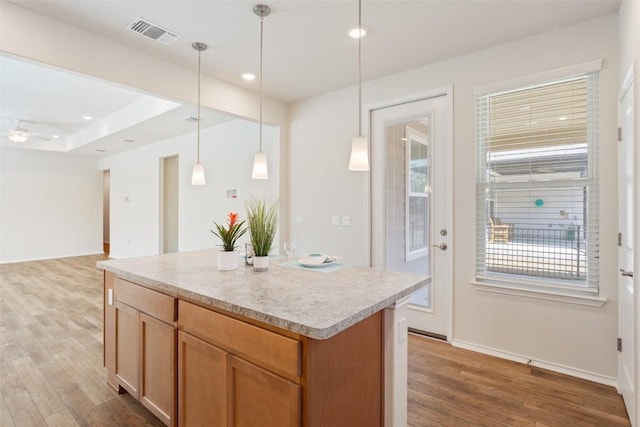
(158, 368)
(235, 373)
(202, 372)
(194, 366)
(257, 397)
(145, 333)
(128, 348)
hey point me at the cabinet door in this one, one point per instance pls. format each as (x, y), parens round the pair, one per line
(128, 348)
(202, 376)
(259, 398)
(158, 368)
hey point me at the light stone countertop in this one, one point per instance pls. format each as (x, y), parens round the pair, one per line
(316, 304)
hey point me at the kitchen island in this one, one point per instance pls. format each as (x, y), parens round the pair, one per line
(287, 347)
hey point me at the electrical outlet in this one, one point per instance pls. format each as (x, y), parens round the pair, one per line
(346, 221)
(402, 330)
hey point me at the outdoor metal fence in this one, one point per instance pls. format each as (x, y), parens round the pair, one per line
(540, 252)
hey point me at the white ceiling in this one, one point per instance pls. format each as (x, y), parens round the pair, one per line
(306, 52)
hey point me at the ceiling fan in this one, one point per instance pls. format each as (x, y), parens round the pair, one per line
(20, 134)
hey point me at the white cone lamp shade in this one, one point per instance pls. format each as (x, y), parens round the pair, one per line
(260, 170)
(359, 154)
(197, 177)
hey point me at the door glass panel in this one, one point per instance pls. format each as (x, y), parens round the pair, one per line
(407, 197)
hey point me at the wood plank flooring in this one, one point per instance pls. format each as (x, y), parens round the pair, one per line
(51, 370)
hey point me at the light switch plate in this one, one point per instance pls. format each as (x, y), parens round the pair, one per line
(335, 220)
(346, 221)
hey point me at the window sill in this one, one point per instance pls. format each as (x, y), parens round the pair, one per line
(544, 294)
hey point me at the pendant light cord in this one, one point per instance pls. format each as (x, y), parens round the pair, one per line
(261, 37)
(198, 138)
(360, 68)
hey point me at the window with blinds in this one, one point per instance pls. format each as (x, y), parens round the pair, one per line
(537, 184)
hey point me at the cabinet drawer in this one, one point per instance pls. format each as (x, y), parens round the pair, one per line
(269, 349)
(160, 306)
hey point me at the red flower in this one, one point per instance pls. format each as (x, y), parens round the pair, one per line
(233, 217)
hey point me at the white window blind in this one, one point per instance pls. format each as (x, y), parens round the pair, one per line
(537, 184)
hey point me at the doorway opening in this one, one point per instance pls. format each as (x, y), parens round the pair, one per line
(169, 194)
(106, 180)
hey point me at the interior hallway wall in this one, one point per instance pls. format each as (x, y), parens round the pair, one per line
(50, 205)
(226, 150)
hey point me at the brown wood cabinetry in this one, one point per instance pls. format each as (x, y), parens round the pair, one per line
(257, 397)
(158, 368)
(128, 348)
(195, 365)
(140, 326)
(232, 373)
(202, 388)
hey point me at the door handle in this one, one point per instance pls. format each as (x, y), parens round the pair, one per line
(441, 246)
(626, 273)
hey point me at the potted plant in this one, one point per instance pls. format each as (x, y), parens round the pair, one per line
(263, 223)
(227, 258)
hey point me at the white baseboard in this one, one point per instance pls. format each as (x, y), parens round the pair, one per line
(578, 373)
(17, 260)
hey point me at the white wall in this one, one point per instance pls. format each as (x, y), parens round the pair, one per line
(227, 152)
(578, 337)
(50, 205)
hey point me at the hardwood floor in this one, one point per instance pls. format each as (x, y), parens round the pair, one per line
(449, 386)
(51, 370)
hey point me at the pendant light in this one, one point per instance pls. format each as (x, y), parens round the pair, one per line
(359, 145)
(197, 177)
(260, 161)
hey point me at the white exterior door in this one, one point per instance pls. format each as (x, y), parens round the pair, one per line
(411, 200)
(628, 358)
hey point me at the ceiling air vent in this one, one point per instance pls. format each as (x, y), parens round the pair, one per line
(151, 30)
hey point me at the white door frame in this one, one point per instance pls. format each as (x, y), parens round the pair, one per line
(448, 184)
(633, 401)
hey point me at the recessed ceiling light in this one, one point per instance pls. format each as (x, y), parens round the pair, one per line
(249, 76)
(357, 33)
(128, 140)
(563, 118)
(87, 118)
(55, 136)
